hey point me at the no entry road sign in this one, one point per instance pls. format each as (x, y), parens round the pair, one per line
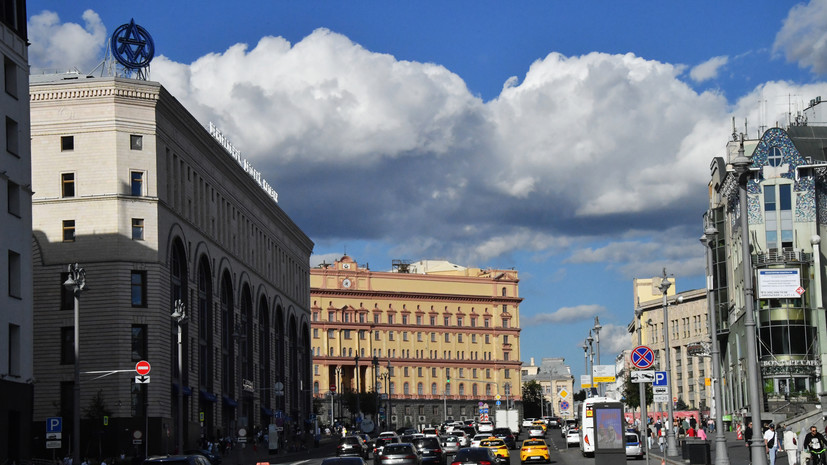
(142, 367)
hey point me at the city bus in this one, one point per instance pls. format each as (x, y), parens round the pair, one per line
(587, 424)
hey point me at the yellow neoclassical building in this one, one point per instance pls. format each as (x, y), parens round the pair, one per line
(438, 338)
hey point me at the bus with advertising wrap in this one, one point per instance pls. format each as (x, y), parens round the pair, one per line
(587, 437)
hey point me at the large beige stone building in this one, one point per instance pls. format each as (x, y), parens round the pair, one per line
(447, 335)
(557, 385)
(688, 339)
(133, 188)
(15, 239)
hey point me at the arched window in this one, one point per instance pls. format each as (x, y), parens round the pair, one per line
(461, 389)
(392, 388)
(420, 389)
(447, 389)
(474, 390)
(406, 388)
(316, 388)
(487, 389)
(433, 389)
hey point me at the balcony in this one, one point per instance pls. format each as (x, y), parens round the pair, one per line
(787, 255)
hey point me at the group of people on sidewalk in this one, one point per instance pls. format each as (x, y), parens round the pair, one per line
(786, 440)
(656, 431)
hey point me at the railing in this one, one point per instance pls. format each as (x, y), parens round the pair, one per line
(780, 256)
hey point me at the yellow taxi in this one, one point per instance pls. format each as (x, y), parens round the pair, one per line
(534, 450)
(499, 447)
(541, 423)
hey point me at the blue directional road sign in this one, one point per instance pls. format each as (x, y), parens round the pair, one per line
(498, 403)
(660, 379)
(54, 425)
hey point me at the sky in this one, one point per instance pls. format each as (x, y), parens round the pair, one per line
(570, 141)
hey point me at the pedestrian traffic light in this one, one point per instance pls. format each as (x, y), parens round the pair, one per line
(449, 377)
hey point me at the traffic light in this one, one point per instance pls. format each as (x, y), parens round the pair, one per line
(449, 378)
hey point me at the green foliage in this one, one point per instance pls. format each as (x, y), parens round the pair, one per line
(631, 391)
(580, 396)
(532, 396)
(681, 405)
(97, 408)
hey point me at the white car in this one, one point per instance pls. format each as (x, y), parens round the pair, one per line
(572, 437)
(464, 440)
(633, 446)
(430, 432)
(485, 427)
(528, 422)
(536, 431)
(475, 441)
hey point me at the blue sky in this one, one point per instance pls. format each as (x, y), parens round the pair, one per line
(568, 140)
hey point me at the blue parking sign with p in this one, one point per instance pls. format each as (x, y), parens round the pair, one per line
(54, 424)
(660, 379)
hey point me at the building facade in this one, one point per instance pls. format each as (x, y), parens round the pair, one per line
(16, 369)
(155, 210)
(436, 338)
(691, 366)
(787, 216)
(557, 384)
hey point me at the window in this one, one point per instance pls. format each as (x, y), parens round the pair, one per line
(331, 316)
(331, 333)
(775, 157)
(505, 355)
(505, 308)
(67, 184)
(433, 371)
(139, 343)
(315, 333)
(420, 390)
(67, 345)
(507, 372)
(433, 337)
(390, 335)
(12, 136)
(136, 142)
(405, 371)
(459, 321)
(419, 371)
(405, 336)
(404, 319)
(362, 334)
(473, 322)
(376, 318)
(447, 337)
(10, 76)
(505, 323)
(487, 339)
(376, 336)
(419, 319)
(778, 215)
(505, 339)
(459, 338)
(488, 373)
(137, 229)
(346, 334)
(473, 339)
(13, 190)
(67, 298)
(406, 388)
(361, 318)
(433, 321)
(68, 230)
(14, 274)
(138, 283)
(67, 143)
(434, 389)
(14, 350)
(447, 321)
(486, 322)
(137, 183)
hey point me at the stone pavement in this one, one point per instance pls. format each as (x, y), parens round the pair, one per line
(736, 449)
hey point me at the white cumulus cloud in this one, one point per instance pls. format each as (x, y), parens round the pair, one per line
(708, 69)
(60, 47)
(564, 315)
(803, 37)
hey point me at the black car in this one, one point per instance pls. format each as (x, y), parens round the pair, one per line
(475, 456)
(352, 445)
(193, 459)
(506, 435)
(430, 450)
(382, 441)
(215, 459)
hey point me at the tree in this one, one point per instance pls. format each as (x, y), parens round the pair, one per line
(532, 396)
(631, 391)
(580, 396)
(681, 405)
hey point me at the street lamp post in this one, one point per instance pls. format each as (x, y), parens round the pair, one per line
(338, 389)
(596, 329)
(590, 340)
(388, 412)
(376, 386)
(741, 165)
(721, 454)
(76, 282)
(358, 391)
(644, 417)
(239, 337)
(179, 315)
(671, 445)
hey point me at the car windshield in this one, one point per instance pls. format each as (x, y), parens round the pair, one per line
(397, 449)
(631, 438)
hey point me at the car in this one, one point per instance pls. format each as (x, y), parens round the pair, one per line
(528, 422)
(475, 456)
(397, 454)
(430, 432)
(551, 422)
(344, 461)
(534, 450)
(506, 435)
(382, 441)
(352, 445)
(190, 459)
(536, 431)
(430, 450)
(470, 431)
(475, 441)
(565, 428)
(633, 446)
(215, 459)
(450, 444)
(464, 439)
(499, 448)
(572, 437)
(541, 423)
(485, 427)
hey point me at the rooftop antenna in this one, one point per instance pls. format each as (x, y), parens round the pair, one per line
(734, 134)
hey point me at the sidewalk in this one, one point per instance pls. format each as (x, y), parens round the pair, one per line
(248, 456)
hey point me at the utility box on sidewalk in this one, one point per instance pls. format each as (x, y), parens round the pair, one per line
(698, 452)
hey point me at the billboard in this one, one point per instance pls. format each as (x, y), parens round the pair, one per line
(781, 283)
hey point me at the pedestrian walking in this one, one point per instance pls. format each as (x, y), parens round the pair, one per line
(771, 442)
(790, 445)
(701, 432)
